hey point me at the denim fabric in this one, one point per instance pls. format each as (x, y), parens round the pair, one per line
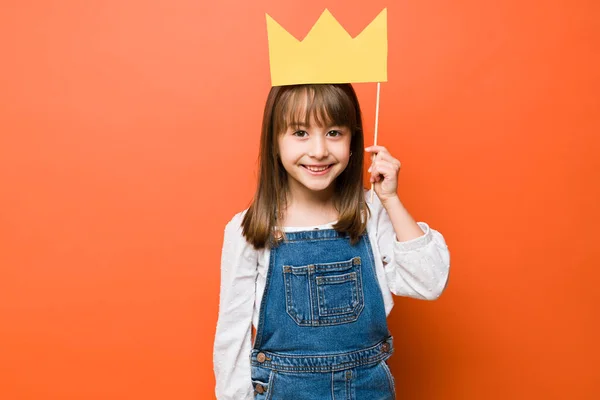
(322, 331)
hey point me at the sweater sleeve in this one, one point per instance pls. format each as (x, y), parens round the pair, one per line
(232, 346)
(416, 268)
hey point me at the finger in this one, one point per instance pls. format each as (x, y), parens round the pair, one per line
(376, 178)
(383, 169)
(376, 149)
(374, 171)
(385, 156)
(387, 163)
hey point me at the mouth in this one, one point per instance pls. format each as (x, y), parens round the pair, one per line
(317, 169)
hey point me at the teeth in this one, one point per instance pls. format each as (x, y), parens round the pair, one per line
(316, 169)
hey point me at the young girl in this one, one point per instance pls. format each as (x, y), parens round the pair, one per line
(311, 265)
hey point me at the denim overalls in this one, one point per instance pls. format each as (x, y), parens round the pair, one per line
(322, 330)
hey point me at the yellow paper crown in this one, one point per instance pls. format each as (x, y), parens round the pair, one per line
(328, 54)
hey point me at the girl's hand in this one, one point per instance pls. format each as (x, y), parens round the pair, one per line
(384, 173)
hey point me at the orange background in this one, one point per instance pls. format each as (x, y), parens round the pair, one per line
(129, 133)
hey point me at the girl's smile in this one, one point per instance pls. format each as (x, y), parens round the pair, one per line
(318, 169)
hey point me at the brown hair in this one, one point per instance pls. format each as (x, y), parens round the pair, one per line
(327, 104)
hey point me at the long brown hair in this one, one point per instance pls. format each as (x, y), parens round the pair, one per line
(332, 104)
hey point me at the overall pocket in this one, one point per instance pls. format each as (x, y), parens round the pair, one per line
(390, 377)
(324, 294)
(262, 380)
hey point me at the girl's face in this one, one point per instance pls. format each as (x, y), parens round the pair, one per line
(314, 155)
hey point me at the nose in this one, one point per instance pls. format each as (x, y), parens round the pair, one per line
(318, 148)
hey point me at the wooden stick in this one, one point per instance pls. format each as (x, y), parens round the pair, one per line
(376, 125)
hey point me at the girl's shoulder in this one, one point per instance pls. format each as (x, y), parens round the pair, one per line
(235, 223)
(236, 249)
(234, 235)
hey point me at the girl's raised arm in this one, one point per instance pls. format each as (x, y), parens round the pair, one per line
(416, 258)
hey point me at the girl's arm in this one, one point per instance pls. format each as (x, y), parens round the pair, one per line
(232, 345)
(416, 258)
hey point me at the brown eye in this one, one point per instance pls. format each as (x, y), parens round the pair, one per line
(300, 133)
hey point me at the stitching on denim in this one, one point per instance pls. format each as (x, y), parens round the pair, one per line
(369, 356)
(336, 266)
(375, 347)
(318, 317)
(325, 368)
(371, 257)
(348, 385)
(289, 302)
(271, 384)
(326, 311)
(311, 289)
(390, 377)
(308, 236)
(332, 380)
(261, 315)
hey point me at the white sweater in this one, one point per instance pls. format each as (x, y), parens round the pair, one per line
(417, 268)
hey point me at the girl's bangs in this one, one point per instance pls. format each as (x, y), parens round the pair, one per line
(322, 104)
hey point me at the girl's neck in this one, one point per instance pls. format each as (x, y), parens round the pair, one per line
(310, 208)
